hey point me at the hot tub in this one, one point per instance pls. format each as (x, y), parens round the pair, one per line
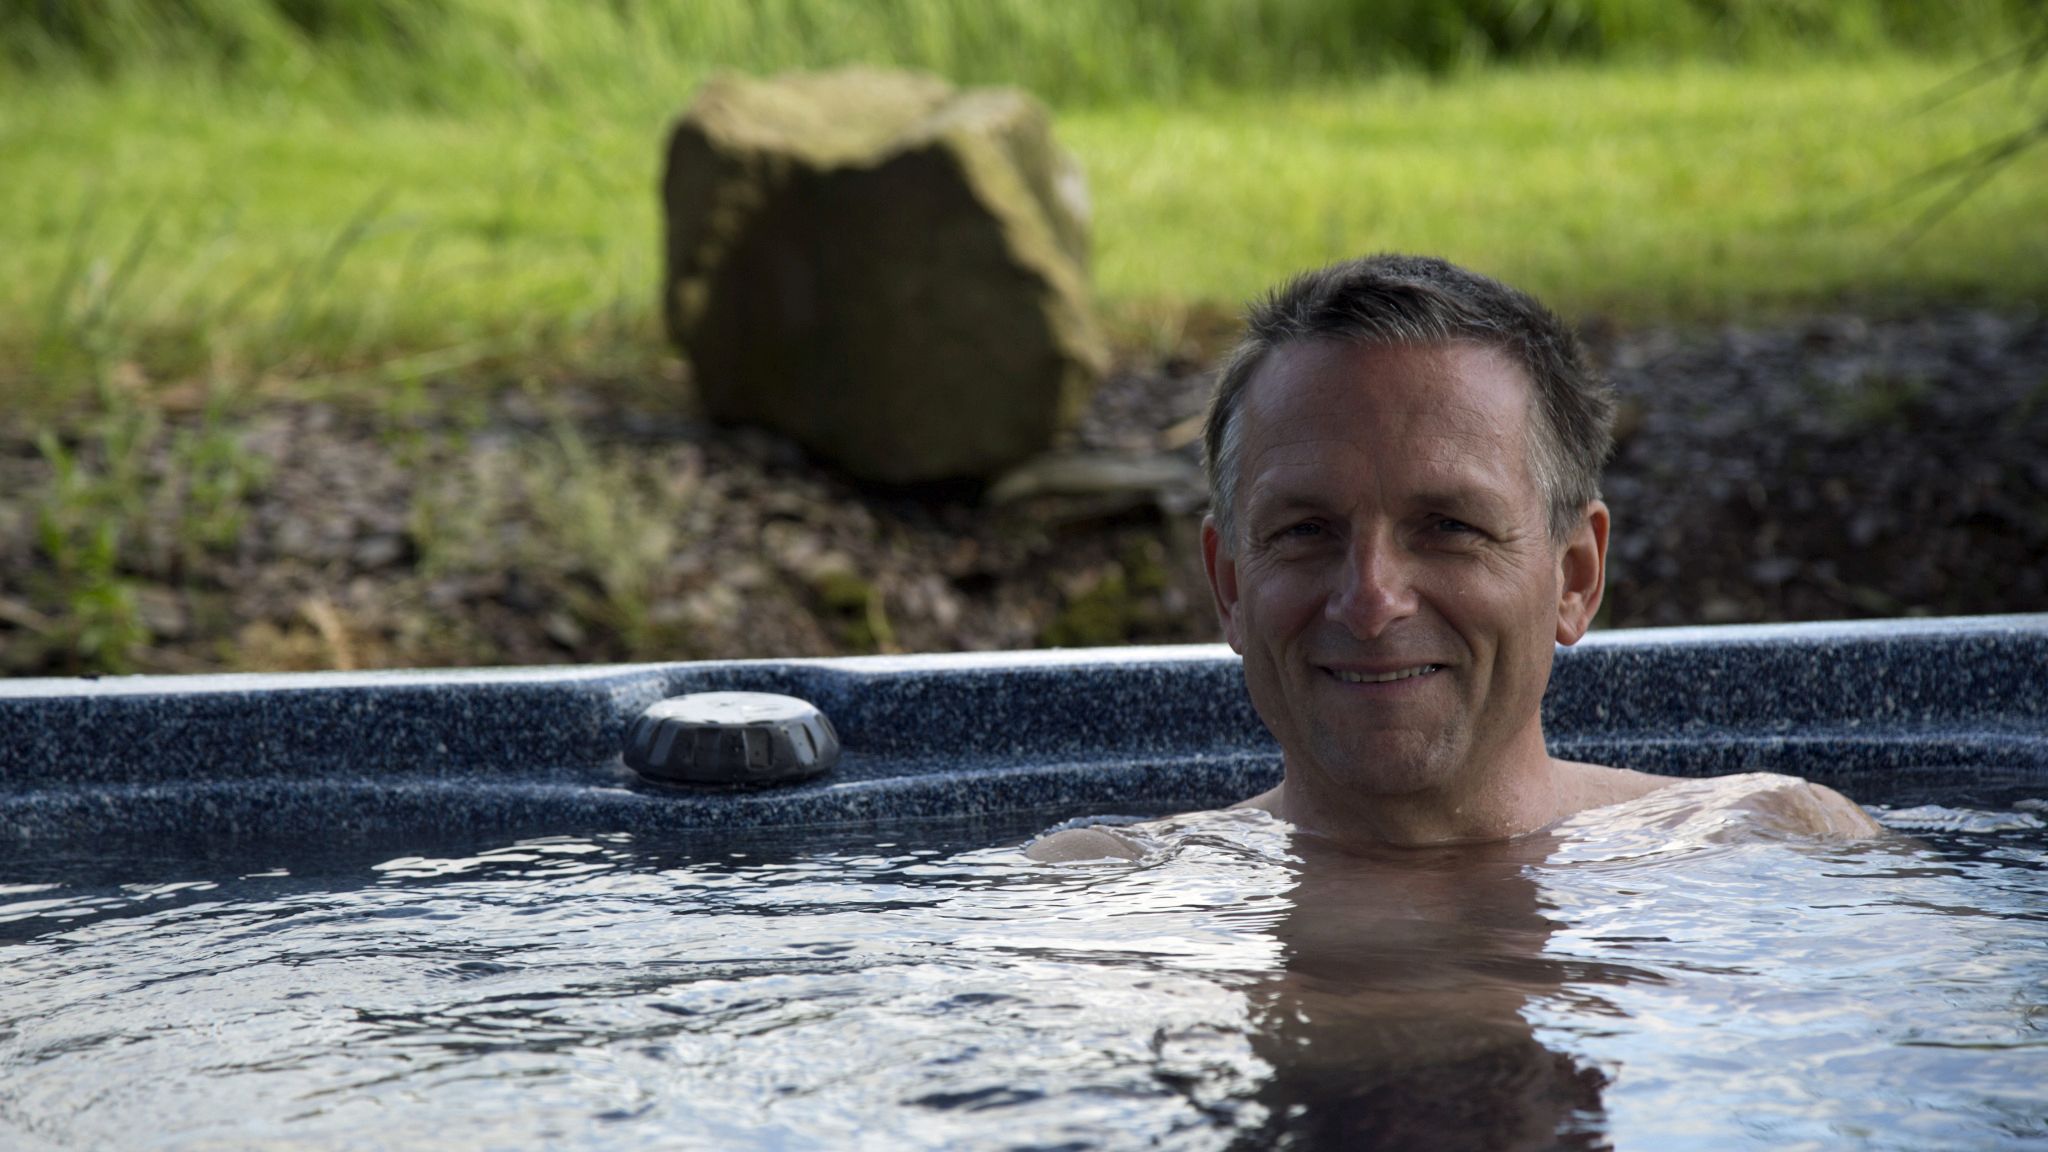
(1886, 711)
(201, 880)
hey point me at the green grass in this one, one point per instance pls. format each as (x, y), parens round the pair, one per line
(369, 194)
(286, 238)
(191, 228)
(493, 53)
(1700, 191)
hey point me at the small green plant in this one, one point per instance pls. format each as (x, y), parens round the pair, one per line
(458, 518)
(1877, 401)
(1096, 613)
(604, 523)
(297, 319)
(593, 530)
(214, 477)
(855, 610)
(89, 510)
(128, 499)
(1115, 604)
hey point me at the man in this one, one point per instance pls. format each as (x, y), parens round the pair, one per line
(1404, 462)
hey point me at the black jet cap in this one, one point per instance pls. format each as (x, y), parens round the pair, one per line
(732, 738)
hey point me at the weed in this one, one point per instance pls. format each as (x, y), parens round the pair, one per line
(1877, 401)
(215, 478)
(606, 524)
(123, 501)
(591, 531)
(856, 610)
(458, 517)
(1096, 613)
(93, 504)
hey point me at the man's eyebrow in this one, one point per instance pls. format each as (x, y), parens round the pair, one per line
(1269, 500)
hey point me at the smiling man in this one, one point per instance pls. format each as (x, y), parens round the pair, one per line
(1404, 461)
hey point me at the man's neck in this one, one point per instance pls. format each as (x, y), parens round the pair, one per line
(1521, 790)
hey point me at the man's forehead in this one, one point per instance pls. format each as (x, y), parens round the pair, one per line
(1470, 482)
(1438, 405)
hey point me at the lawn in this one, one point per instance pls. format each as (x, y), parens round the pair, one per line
(185, 226)
(1697, 191)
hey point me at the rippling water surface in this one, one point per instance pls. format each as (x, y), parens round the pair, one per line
(1627, 981)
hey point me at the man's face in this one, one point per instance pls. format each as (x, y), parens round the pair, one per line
(1393, 587)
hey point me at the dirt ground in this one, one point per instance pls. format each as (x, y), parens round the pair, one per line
(1829, 467)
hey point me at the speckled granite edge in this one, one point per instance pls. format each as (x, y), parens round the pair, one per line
(1865, 706)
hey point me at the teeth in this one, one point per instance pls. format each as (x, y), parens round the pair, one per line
(1386, 678)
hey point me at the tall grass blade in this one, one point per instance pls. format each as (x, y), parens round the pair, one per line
(57, 312)
(139, 243)
(306, 284)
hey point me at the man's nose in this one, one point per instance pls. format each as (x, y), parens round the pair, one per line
(1378, 586)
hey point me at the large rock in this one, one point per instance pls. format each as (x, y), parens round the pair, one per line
(889, 270)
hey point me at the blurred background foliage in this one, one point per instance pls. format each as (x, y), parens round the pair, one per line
(461, 53)
(408, 210)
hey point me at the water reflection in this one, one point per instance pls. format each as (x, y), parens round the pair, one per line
(1398, 1016)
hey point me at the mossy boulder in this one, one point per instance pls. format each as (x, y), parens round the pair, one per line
(887, 269)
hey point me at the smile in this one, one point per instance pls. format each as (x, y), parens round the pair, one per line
(1385, 677)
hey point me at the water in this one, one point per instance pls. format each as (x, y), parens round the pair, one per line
(1631, 980)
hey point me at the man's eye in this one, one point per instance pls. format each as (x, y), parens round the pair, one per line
(1296, 533)
(1454, 527)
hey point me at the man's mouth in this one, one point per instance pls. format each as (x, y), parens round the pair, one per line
(1384, 677)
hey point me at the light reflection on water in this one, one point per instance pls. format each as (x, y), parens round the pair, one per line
(1817, 996)
(1240, 986)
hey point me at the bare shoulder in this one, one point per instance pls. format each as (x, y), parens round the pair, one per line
(1083, 844)
(1769, 803)
(1596, 785)
(1827, 813)
(1790, 805)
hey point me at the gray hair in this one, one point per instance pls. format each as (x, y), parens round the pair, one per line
(1419, 300)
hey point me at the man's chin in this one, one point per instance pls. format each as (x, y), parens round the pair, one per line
(1385, 764)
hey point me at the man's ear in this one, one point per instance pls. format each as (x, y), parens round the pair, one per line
(1582, 575)
(1222, 569)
